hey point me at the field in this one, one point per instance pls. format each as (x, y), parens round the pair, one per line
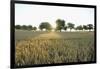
(53, 47)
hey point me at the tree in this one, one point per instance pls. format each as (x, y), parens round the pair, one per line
(85, 27)
(59, 28)
(79, 27)
(41, 27)
(17, 27)
(65, 28)
(45, 25)
(70, 26)
(29, 27)
(60, 24)
(90, 27)
(24, 27)
(48, 27)
(34, 28)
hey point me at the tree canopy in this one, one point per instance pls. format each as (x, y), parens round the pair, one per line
(90, 27)
(65, 28)
(60, 24)
(70, 26)
(80, 27)
(34, 28)
(45, 25)
(85, 27)
(17, 26)
(29, 27)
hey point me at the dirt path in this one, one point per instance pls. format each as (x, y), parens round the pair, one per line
(49, 35)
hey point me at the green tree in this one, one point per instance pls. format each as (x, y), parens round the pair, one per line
(24, 27)
(17, 27)
(29, 27)
(90, 27)
(45, 25)
(85, 27)
(34, 28)
(70, 26)
(80, 27)
(65, 28)
(60, 24)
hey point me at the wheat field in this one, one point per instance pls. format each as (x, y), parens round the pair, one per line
(53, 47)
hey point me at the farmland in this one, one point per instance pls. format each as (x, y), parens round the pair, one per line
(53, 47)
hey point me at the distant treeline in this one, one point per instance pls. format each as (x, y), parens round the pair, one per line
(60, 25)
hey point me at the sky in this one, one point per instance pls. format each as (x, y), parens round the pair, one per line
(26, 14)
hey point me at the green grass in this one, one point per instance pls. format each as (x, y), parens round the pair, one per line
(53, 47)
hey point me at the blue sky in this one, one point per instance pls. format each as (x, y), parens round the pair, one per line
(35, 14)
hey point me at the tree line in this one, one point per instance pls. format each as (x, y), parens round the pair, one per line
(60, 25)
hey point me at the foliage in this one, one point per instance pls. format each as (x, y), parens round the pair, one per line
(17, 27)
(60, 24)
(90, 27)
(85, 27)
(65, 28)
(79, 27)
(45, 25)
(29, 27)
(70, 26)
(24, 27)
(34, 28)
